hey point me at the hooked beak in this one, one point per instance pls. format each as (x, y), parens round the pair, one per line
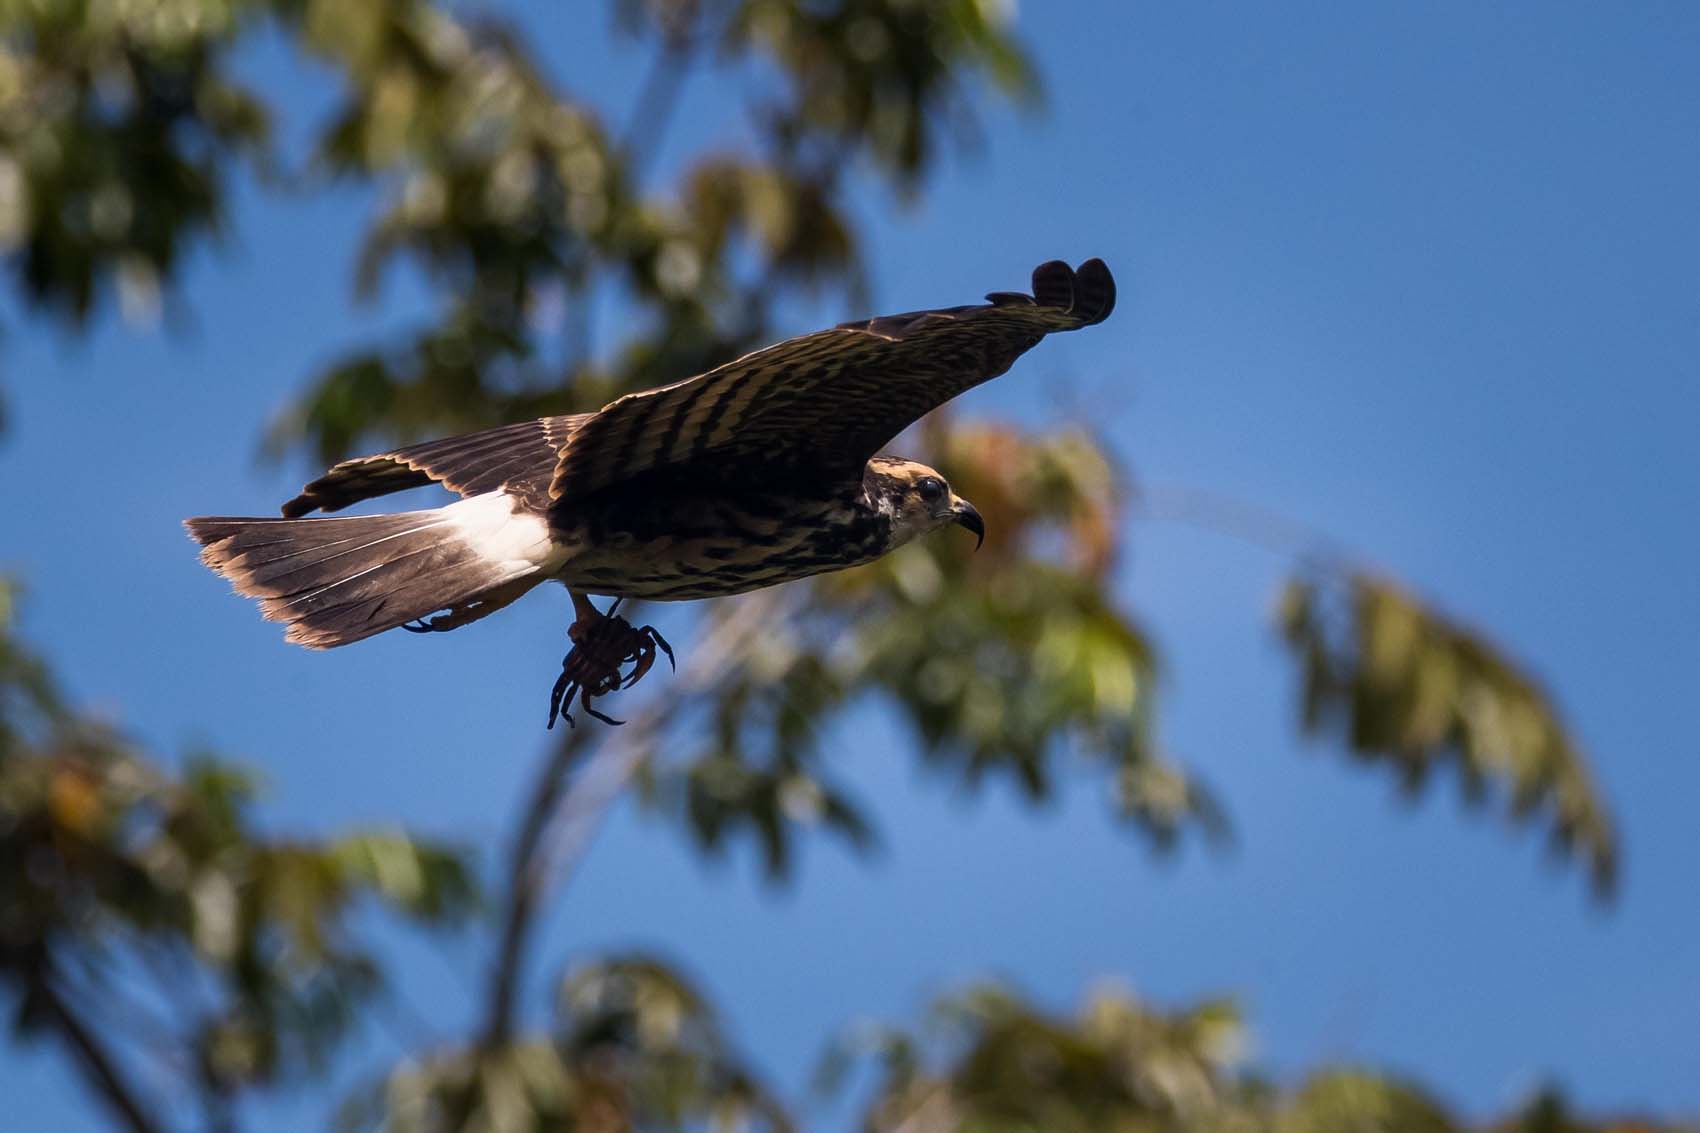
(964, 513)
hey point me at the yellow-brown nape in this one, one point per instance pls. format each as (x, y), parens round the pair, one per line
(904, 472)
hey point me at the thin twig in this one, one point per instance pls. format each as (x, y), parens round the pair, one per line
(639, 143)
(1246, 522)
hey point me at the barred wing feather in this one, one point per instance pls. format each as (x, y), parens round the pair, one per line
(826, 402)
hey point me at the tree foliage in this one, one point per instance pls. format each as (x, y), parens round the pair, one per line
(149, 901)
(1411, 688)
(118, 124)
(633, 1046)
(236, 958)
(989, 1061)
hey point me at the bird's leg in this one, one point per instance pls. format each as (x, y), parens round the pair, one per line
(443, 623)
(602, 643)
(480, 607)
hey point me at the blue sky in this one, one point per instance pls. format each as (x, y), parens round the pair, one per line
(1420, 276)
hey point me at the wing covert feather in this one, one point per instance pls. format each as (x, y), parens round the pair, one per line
(518, 457)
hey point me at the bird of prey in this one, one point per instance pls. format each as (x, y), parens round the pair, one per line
(761, 471)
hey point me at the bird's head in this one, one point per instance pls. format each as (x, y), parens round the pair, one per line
(917, 500)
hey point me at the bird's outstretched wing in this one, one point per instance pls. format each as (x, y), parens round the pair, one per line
(827, 401)
(824, 402)
(519, 458)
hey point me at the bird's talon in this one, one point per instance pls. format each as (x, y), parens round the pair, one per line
(601, 647)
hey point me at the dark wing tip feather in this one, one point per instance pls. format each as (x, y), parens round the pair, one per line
(1087, 292)
(1053, 285)
(1094, 291)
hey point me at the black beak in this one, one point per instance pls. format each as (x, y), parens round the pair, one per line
(967, 516)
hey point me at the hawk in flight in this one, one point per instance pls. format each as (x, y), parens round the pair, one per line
(758, 472)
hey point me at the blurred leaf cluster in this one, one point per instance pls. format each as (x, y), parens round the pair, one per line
(118, 124)
(632, 1047)
(988, 1061)
(143, 911)
(1406, 686)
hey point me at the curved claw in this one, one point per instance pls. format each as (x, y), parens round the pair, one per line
(605, 719)
(654, 635)
(563, 689)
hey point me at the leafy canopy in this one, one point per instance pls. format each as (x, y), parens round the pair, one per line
(225, 958)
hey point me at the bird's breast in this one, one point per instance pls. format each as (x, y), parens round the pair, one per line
(672, 546)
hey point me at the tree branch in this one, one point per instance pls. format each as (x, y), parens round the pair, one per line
(559, 822)
(658, 98)
(1247, 522)
(523, 890)
(98, 1064)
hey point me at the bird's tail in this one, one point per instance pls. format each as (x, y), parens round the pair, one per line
(336, 581)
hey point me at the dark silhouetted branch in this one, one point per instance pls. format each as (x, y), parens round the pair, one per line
(524, 885)
(97, 1063)
(658, 98)
(560, 822)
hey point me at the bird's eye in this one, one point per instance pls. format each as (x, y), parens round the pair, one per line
(931, 489)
